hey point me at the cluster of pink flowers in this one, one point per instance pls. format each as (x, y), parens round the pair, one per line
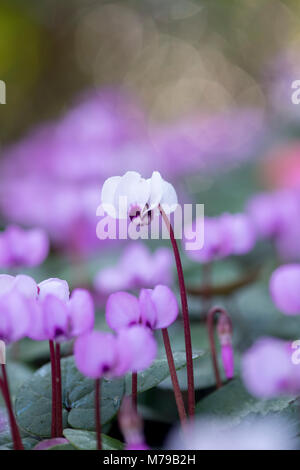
(225, 235)
(136, 268)
(51, 178)
(42, 311)
(268, 366)
(21, 248)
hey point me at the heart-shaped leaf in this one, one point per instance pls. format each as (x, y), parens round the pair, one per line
(33, 401)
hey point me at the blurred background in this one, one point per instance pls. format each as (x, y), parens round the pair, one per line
(197, 89)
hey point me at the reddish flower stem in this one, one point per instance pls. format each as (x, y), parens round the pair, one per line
(98, 413)
(186, 320)
(59, 409)
(174, 378)
(134, 390)
(210, 327)
(53, 382)
(12, 420)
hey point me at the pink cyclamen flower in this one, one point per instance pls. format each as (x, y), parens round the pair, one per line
(99, 354)
(131, 196)
(226, 235)
(20, 247)
(16, 294)
(268, 369)
(285, 288)
(58, 315)
(137, 268)
(156, 308)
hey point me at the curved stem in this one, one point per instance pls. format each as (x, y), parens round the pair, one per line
(98, 413)
(173, 374)
(12, 420)
(134, 390)
(210, 327)
(53, 382)
(59, 418)
(185, 314)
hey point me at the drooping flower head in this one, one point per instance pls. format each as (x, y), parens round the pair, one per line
(99, 354)
(285, 288)
(131, 196)
(268, 370)
(155, 309)
(20, 247)
(137, 268)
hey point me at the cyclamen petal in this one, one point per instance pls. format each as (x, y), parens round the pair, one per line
(159, 308)
(81, 308)
(56, 317)
(95, 354)
(23, 284)
(137, 349)
(58, 287)
(122, 310)
(285, 288)
(228, 360)
(15, 317)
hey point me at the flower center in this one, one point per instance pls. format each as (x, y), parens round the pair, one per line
(140, 216)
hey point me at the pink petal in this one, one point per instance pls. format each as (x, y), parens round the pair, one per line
(81, 307)
(56, 317)
(122, 309)
(137, 349)
(95, 353)
(228, 360)
(166, 306)
(148, 308)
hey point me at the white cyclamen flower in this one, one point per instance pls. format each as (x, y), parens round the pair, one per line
(138, 198)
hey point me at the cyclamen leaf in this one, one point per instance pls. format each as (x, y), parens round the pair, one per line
(158, 371)
(235, 403)
(86, 440)
(33, 401)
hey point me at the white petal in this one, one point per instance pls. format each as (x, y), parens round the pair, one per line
(169, 199)
(132, 191)
(156, 192)
(108, 195)
(57, 287)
